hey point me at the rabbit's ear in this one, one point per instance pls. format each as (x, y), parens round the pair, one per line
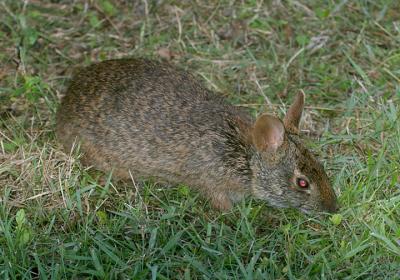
(293, 115)
(268, 133)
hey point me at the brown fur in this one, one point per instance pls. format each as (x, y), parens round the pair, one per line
(149, 119)
(293, 115)
(268, 133)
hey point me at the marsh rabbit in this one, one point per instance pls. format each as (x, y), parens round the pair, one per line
(148, 119)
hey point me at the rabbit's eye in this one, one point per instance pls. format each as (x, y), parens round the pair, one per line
(302, 183)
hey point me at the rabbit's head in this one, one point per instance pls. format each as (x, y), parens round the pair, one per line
(285, 173)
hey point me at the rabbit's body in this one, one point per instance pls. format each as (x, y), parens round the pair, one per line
(144, 119)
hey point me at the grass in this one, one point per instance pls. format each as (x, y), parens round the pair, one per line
(58, 221)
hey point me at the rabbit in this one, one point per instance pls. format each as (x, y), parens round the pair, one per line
(148, 119)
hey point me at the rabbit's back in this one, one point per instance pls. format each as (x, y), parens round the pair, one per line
(145, 117)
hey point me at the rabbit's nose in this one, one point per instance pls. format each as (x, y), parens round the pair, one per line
(331, 207)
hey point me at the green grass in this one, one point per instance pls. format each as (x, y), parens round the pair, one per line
(58, 221)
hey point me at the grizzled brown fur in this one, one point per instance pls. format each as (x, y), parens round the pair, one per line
(150, 119)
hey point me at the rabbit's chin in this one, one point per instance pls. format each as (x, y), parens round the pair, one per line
(313, 212)
(278, 204)
(307, 211)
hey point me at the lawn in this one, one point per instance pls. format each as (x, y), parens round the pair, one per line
(59, 221)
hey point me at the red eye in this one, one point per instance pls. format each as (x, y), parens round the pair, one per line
(302, 183)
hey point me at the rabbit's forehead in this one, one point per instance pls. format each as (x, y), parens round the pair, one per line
(296, 140)
(296, 145)
(304, 159)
